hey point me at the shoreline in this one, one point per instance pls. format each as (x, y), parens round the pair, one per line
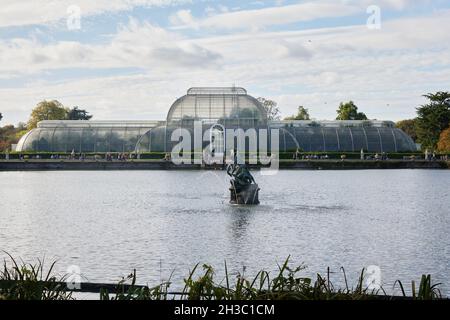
(90, 165)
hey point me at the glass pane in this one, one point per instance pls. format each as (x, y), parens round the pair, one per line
(45, 140)
(387, 138)
(373, 138)
(345, 139)
(74, 140)
(88, 140)
(317, 139)
(359, 138)
(102, 140)
(331, 140)
(60, 140)
(132, 137)
(117, 140)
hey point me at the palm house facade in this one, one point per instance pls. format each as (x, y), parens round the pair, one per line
(216, 110)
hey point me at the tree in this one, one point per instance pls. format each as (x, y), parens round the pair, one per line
(47, 110)
(1, 116)
(78, 114)
(408, 126)
(273, 112)
(433, 118)
(9, 135)
(302, 114)
(349, 111)
(444, 141)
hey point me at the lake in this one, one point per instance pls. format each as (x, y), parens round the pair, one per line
(159, 222)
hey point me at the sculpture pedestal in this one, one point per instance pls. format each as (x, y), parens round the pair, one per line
(248, 195)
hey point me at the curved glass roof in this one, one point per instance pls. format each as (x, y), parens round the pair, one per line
(230, 106)
(345, 138)
(85, 136)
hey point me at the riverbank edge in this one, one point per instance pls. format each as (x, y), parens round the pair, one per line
(68, 165)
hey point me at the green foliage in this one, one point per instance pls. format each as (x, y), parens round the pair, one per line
(24, 281)
(432, 119)
(272, 109)
(409, 127)
(10, 135)
(427, 290)
(349, 111)
(134, 292)
(78, 114)
(302, 114)
(47, 110)
(29, 282)
(287, 284)
(54, 110)
(1, 116)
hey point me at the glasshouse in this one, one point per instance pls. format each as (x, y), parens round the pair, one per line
(217, 110)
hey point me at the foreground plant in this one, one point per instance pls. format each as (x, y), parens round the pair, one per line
(25, 281)
(286, 285)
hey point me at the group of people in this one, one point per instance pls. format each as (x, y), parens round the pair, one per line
(299, 156)
(377, 156)
(82, 156)
(120, 156)
(430, 156)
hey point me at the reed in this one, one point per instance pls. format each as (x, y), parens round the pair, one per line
(25, 281)
(287, 284)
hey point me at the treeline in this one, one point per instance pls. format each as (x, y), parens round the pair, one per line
(431, 127)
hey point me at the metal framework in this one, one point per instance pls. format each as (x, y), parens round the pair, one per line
(229, 108)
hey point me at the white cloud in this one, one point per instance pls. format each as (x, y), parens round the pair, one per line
(135, 45)
(28, 12)
(182, 17)
(316, 68)
(258, 18)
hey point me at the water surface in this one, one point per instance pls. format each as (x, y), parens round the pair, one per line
(159, 222)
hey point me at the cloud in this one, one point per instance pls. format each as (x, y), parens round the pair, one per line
(182, 17)
(317, 68)
(258, 18)
(191, 55)
(160, 49)
(31, 12)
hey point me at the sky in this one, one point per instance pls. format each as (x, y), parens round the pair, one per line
(130, 59)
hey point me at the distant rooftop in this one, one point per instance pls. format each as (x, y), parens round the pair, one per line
(96, 123)
(334, 123)
(217, 91)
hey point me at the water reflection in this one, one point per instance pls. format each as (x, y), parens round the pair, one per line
(240, 219)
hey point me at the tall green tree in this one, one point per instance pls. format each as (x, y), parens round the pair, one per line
(272, 109)
(302, 114)
(78, 114)
(408, 126)
(349, 111)
(433, 118)
(47, 110)
(1, 116)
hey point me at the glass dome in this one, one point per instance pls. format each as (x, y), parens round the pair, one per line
(231, 107)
